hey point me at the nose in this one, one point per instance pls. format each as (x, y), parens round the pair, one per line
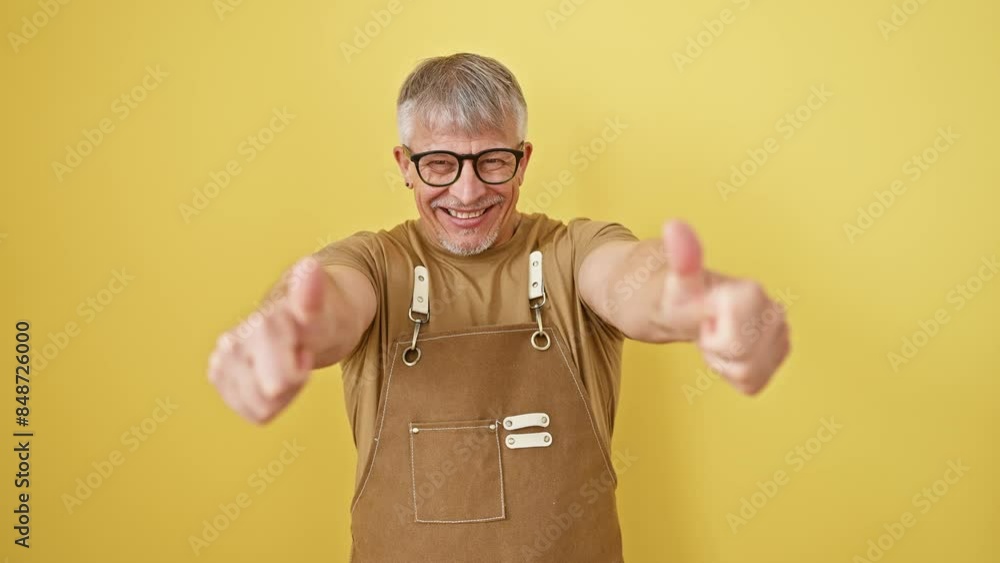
(468, 189)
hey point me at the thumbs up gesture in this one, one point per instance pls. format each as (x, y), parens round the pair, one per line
(741, 332)
(261, 365)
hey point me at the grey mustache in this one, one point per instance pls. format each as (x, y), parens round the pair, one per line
(459, 207)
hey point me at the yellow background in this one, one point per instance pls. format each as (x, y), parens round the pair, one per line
(329, 174)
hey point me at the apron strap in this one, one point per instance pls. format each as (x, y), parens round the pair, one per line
(536, 292)
(419, 312)
(419, 305)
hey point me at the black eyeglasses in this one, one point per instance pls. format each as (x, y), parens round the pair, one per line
(443, 168)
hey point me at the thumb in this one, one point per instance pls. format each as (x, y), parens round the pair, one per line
(685, 278)
(307, 290)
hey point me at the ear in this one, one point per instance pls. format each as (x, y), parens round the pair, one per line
(528, 149)
(403, 161)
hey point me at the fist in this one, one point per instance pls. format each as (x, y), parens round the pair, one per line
(258, 370)
(742, 333)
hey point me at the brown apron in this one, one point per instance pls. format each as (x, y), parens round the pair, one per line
(485, 450)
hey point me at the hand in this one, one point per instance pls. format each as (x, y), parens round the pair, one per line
(742, 333)
(259, 373)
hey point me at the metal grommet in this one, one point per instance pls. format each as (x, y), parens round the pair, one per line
(508, 423)
(545, 420)
(548, 342)
(511, 440)
(417, 358)
(546, 438)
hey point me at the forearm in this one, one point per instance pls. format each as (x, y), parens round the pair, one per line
(658, 291)
(336, 327)
(637, 300)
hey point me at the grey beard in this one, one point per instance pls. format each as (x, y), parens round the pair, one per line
(457, 250)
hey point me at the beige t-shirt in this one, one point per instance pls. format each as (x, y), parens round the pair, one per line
(487, 289)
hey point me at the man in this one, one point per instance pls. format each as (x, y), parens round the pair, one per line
(481, 347)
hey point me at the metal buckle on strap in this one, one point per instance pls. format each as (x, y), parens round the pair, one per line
(536, 291)
(419, 305)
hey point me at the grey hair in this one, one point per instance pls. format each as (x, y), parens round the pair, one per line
(464, 93)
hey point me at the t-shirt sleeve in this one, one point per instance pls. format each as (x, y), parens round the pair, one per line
(586, 235)
(361, 252)
(357, 251)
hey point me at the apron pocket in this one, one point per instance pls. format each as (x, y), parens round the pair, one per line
(456, 472)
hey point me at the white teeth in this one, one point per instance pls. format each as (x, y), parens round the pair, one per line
(465, 214)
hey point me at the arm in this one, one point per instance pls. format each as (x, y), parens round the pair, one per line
(314, 318)
(336, 303)
(657, 291)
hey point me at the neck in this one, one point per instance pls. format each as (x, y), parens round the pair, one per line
(507, 231)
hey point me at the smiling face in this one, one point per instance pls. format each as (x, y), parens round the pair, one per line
(470, 215)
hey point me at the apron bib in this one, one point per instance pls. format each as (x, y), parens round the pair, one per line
(485, 450)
